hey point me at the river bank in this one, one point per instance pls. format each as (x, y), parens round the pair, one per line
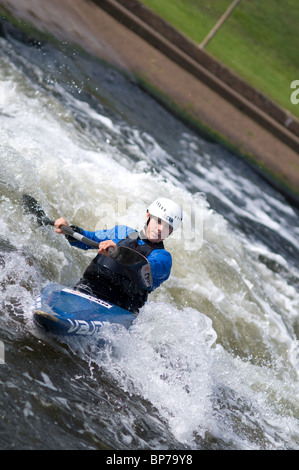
(174, 78)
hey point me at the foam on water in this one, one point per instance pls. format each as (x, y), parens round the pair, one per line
(167, 361)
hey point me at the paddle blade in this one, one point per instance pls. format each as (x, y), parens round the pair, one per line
(32, 206)
(137, 262)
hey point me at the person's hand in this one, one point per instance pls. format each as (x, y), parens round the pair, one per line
(58, 223)
(107, 247)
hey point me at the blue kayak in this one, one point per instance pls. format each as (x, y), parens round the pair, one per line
(64, 311)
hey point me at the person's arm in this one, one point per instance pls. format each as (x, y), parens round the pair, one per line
(160, 262)
(98, 236)
(107, 238)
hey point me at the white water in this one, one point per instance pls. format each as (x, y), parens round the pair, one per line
(215, 350)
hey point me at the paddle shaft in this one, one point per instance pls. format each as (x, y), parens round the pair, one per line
(32, 206)
(72, 233)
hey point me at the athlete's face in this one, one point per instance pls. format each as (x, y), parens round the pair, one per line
(157, 229)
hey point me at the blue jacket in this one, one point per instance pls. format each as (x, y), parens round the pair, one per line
(160, 260)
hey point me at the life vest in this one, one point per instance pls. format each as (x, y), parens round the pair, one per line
(109, 280)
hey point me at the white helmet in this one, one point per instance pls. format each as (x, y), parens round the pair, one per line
(167, 210)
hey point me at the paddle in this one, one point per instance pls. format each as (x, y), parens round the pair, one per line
(32, 206)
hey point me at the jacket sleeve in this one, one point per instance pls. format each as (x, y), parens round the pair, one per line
(161, 263)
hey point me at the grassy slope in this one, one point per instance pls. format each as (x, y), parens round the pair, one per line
(259, 41)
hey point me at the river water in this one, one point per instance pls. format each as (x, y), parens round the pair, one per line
(211, 361)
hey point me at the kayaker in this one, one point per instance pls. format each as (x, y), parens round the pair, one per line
(107, 279)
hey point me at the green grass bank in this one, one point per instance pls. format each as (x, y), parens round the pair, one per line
(259, 41)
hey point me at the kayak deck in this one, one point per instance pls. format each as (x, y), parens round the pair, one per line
(64, 311)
